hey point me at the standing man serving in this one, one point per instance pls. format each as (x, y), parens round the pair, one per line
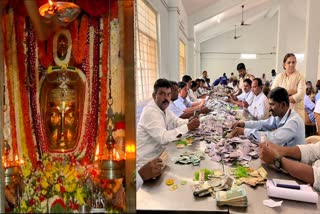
(243, 74)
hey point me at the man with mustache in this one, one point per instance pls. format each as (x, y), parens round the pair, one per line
(158, 126)
(259, 106)
(245, 98)
(285, 127)
(243, 74)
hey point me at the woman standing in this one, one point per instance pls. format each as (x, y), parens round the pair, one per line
(293, 81)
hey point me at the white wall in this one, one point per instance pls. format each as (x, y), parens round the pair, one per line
(261, 37)
(161, 8)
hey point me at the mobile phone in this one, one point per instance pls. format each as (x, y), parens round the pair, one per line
(291, 184)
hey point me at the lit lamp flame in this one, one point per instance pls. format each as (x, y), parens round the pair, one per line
(115, 155)
(16, 160)
(130, 148)
(51, 5)
(21, 162)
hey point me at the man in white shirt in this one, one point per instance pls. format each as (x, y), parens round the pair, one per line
(153, 133)
(245, 98)
(259, 108)
(306, 169)
(285, 126)
(192, 92)
(150, 170)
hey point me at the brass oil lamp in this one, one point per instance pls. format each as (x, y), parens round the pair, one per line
(64, 12)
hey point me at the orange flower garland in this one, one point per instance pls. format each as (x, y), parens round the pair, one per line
(45, 52)
(79, 38)
(8, 53)
(103, 87)
(29, 144)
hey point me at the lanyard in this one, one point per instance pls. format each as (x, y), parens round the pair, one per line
(286, 118)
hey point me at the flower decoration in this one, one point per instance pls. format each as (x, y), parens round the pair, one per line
(57, 184)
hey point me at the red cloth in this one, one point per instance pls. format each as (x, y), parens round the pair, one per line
(95, 7)
(120, 125)
(92, 7)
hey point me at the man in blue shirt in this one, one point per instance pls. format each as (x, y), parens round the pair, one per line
(173, 107)
(285, 127)
(185, 105)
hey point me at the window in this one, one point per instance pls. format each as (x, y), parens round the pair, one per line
(146, 71)
(182, 59)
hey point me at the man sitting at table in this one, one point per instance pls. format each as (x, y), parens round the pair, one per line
(306, 154)
(185, 105)
(150, 170)
(192, 92)
(245, 98)
(259, 108)
(158, 125)
(285, 127)
(173, 107)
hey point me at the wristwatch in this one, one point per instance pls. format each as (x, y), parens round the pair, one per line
(277, 162)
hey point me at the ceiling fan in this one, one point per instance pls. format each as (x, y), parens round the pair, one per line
(235, 33)
(242, 21)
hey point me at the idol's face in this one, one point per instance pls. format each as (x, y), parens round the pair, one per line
(62, 46)
(61, 122)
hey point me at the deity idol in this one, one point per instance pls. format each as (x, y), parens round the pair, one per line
(62, 101)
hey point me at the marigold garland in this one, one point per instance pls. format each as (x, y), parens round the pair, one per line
(8, 52)
(45, 52)
(79, 37)
(28, 147)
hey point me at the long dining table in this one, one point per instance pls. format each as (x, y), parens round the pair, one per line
(156, 196)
